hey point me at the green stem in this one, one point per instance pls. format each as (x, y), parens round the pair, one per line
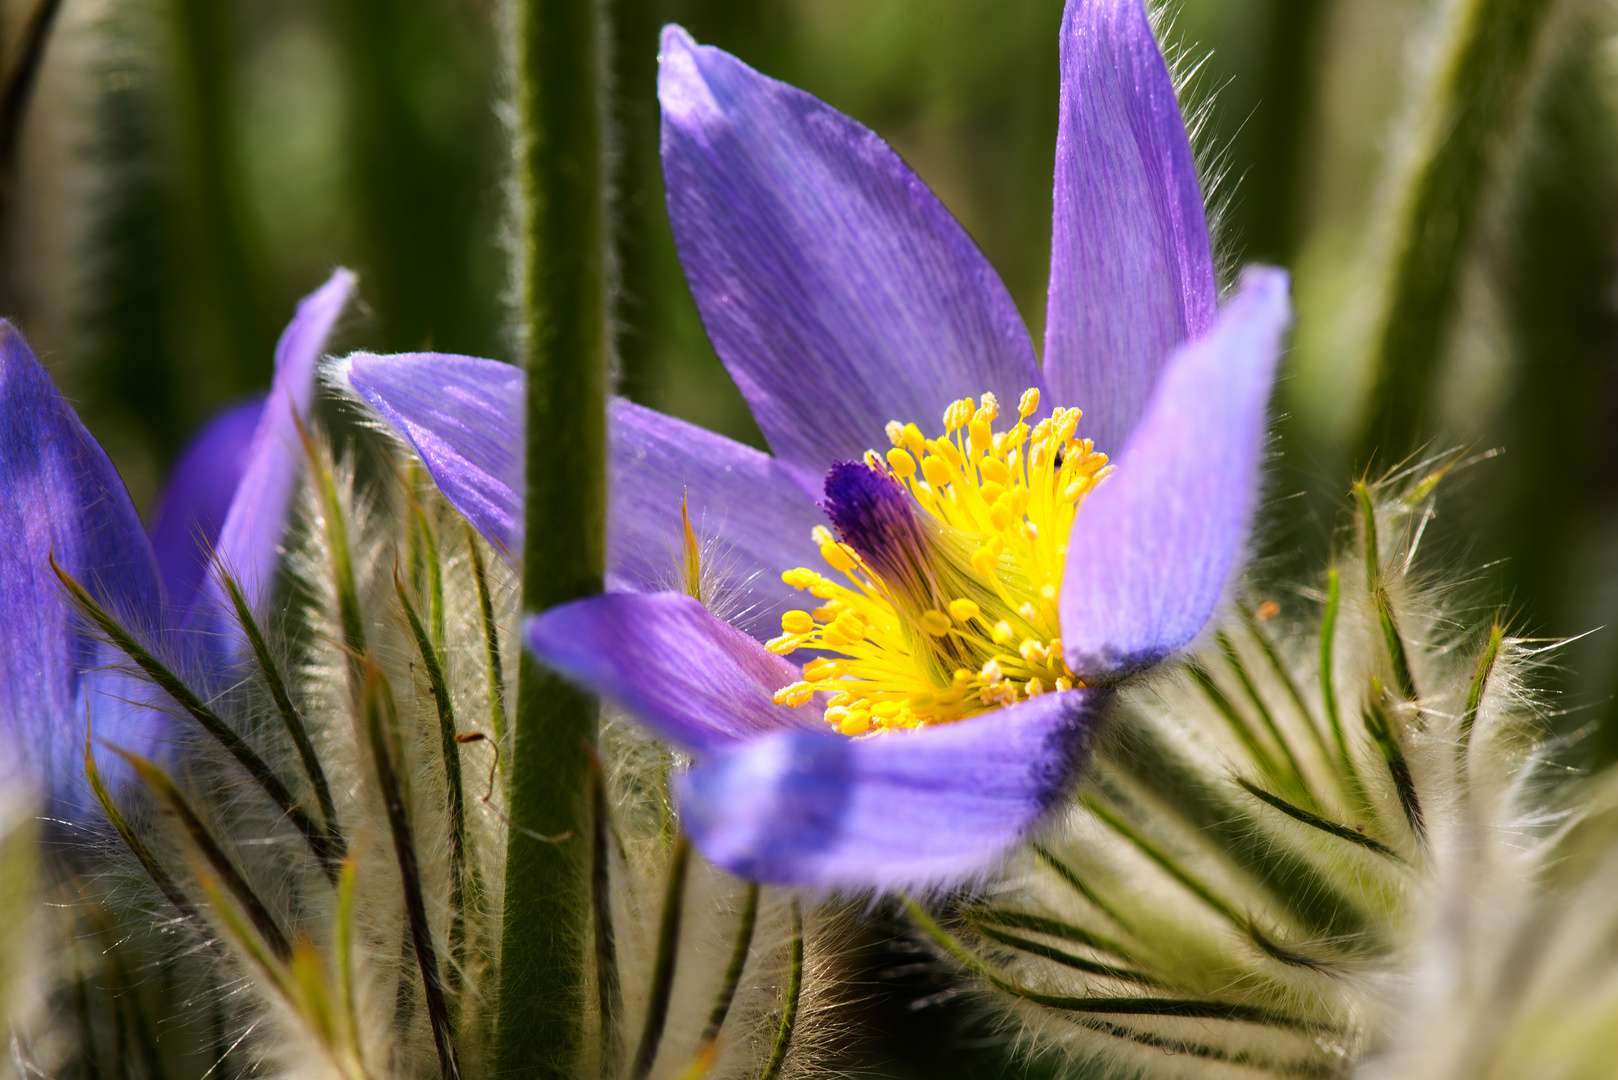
(452, 778)
(789, 1012)
(738, 961)
(491, 640)
(661, 990)
(1328, 687)
(1475, 94)
(562, 315)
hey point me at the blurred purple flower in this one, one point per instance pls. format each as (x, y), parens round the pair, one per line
(225, 504)
(845, 300)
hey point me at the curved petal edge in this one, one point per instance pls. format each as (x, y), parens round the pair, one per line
(1153, 547)
(932, 807)
(695, 680)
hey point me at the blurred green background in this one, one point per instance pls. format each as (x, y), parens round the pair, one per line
(183, 170)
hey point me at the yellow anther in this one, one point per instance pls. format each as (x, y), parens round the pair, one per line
(1027, 611)
(801, 578)
(873, 460)
(1054, 646)
(995, 472)
(1047, 593)
(797, 622)
(828, 611)
(885, 710)
(1016, 501)
(1032, 651)
(958, 414)
(837, 557)
(936, 472)
(999, 694)
(914, 440)
(857, 722)
(1064, 683)
(1072, 492)
(982, 438)
(989, 407)
(794, 694)
(984, 560)
(784, 644)
(947, 450)
(991, 672)
(850, 626)
(992, 491)
(821, 668)
(1028, 405)
(1034, 688)
(964, 610)
(1003, 634)
(901, 462)
(935, 623)
(999, 517)
(895, 432)
(820, 535)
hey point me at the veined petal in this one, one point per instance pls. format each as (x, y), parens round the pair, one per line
(250, 539)
(837, 289)
(903, 809)
(463, 417)
(1131, 266)
(1152, 547)
(63, 499)
(196, 498)
(693, 679)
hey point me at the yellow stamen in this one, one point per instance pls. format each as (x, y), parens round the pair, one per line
(971, 622)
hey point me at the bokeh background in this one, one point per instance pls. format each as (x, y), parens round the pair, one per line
(175, 173)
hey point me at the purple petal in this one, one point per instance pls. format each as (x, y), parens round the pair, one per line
(63, 499)
(1152, 548)
(744, 506)
(463, 417)
(1131, 267)
(903, 809)
(194, 502)
(250, 539)
(837, 289)
(694, 680)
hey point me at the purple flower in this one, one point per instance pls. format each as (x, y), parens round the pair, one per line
(225, 503)
(989, 578)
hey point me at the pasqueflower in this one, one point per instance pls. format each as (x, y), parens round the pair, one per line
(225, 505)
(990, 573)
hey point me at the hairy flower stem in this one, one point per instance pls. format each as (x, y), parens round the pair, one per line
(562, 319)
(1474, 95)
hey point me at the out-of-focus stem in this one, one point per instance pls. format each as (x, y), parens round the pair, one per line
(562, 316)
(1490, 51)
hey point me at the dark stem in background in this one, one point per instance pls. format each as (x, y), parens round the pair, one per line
(1559, 419)
(562, 321)
(1473, 98)
(418, 171)
(1270, 201)
(225, 276)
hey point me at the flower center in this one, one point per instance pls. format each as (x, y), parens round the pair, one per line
(951, 552)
